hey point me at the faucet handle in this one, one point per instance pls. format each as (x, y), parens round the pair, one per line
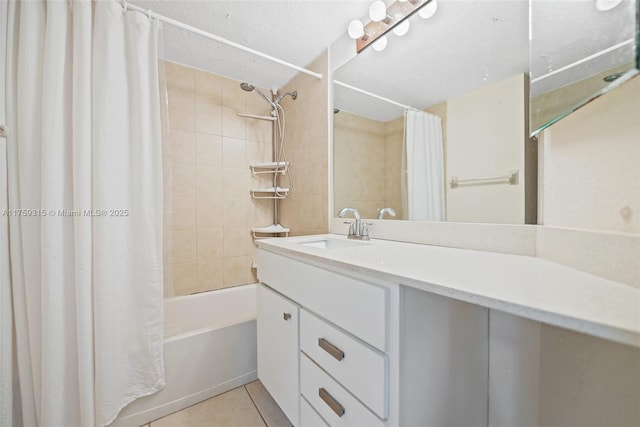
(364, 233)
(352, 228)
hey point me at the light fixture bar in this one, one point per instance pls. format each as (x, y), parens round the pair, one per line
(373, 95)
(396, 13)
(183, 26)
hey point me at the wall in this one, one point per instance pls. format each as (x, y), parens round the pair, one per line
(591, 172)
(212, 210)
(360, 156)
(368, 162)
(306, 210)
(393, 148)
(486, 137)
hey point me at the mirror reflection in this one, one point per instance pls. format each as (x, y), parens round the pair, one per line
(579, 50)
(435, 127)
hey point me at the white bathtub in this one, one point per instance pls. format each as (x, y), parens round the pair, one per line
(210, 348)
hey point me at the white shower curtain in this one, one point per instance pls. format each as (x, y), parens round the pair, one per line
(6, 320)
(423, 163)
(85, 164)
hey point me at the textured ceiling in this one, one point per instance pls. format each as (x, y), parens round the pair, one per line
(564, 32)
(472, 43)
(294, 31)
(466, 45)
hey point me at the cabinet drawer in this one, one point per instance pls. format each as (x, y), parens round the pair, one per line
(359, 368)
(308, 416)
(354, 305)
(331, 400)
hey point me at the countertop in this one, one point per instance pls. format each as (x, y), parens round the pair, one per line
(521, 285)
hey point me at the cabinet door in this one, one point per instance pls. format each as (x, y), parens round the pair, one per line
(278, 351)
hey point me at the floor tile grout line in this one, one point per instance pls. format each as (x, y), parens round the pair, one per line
(255, 406)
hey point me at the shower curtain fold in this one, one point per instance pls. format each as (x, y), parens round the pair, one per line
(6, 312)
(423, 166)
(85, 155)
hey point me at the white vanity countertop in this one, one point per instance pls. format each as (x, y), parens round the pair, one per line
(525, 286)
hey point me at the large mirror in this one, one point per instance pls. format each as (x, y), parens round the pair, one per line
(456, 85)
(579, 50)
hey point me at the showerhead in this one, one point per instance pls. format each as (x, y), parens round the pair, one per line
(251, 88)
(247, 87)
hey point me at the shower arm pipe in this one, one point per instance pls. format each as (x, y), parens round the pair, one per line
(373, 95)
(181, 25)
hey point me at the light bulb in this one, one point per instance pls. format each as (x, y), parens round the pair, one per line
(356, 29)
(429, 10)
(377, 11)
(402, 28)
(604, 5)
(380, 44)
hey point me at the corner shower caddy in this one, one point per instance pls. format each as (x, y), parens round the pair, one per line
(270, 192)
(278, 165)
(275, 193)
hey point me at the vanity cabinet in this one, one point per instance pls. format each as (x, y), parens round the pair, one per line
(338, 361)
(345, 351)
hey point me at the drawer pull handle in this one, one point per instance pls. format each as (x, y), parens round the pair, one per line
(331, 402)
(286, 316)
(331, 349)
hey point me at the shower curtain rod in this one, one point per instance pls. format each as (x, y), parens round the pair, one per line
(373, 95)
(181, 25)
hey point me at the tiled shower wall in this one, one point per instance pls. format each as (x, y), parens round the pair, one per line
(393, 144)
(359, 163)
(211, 150)
(305, 211)
(368, 161)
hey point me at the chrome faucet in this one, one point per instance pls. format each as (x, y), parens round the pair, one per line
(354, 229)
(390, 211)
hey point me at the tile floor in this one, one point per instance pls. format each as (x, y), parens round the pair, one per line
(247, 406)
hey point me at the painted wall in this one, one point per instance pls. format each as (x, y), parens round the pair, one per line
(306, 210)
(486, 137)
(211, 149)
(591, 165)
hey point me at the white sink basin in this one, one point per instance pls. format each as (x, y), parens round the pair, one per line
(332, 243)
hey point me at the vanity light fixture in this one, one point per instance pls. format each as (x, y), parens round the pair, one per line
(429, 10)
(378, 11)
(402, 28)
(385, 18)
(380, 44)
(356, 30)
(604, 5)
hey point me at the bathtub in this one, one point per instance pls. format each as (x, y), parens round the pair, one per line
(210, 348)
